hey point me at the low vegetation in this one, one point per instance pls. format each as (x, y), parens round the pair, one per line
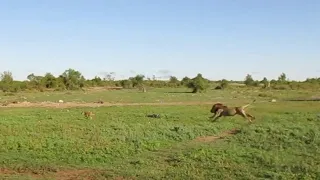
(136, 135)
(72, 79)
(123, 142)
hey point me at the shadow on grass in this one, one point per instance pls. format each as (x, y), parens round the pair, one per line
(234, 131)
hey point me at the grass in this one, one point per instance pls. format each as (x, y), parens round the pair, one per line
(156, 95)
(283, 142)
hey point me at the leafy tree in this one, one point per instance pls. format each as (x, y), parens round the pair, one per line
(256, 83)
(273, 81)
(282, 78)
(126, 83)
(224, 83)
(96, 81)
(137, 81)
(198, 84)
(109, 76)
(35, 81)
(173, 81)
(265, 82)
(49, 80)
(185, 81)
(249, 80)
(60, 83)
(6, 77)
(6, 81)
(72, 79)
(312, 80)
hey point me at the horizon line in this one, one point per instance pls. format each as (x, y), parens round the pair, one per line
(159, 78)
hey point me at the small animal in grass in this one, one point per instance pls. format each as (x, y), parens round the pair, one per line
(153, 115)
(88, 114)
(220, 110)
(6, 103)
(99, 102)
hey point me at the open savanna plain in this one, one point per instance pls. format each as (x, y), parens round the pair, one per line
(43, 139)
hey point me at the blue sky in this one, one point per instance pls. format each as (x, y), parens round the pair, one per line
(218, 38)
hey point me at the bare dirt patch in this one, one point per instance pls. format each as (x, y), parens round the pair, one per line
(207, 138)
(70, 174)
(9, 172)
(214, 138)
(86, 174)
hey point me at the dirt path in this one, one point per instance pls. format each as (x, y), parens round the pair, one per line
(69, 174)
(220, 136)
(106, 104)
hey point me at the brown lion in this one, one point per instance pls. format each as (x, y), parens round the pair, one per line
(220, 110)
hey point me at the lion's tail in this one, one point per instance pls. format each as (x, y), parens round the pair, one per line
(245, 106)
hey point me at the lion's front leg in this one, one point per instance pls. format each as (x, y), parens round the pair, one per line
(217, 115)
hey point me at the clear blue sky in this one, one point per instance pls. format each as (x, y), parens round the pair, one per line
(218, 38)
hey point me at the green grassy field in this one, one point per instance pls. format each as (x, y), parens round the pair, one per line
(155, 95)
(122, 143)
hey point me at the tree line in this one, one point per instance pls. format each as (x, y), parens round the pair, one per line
(72, 79)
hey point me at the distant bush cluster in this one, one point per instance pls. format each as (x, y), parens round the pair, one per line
(72, 79)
